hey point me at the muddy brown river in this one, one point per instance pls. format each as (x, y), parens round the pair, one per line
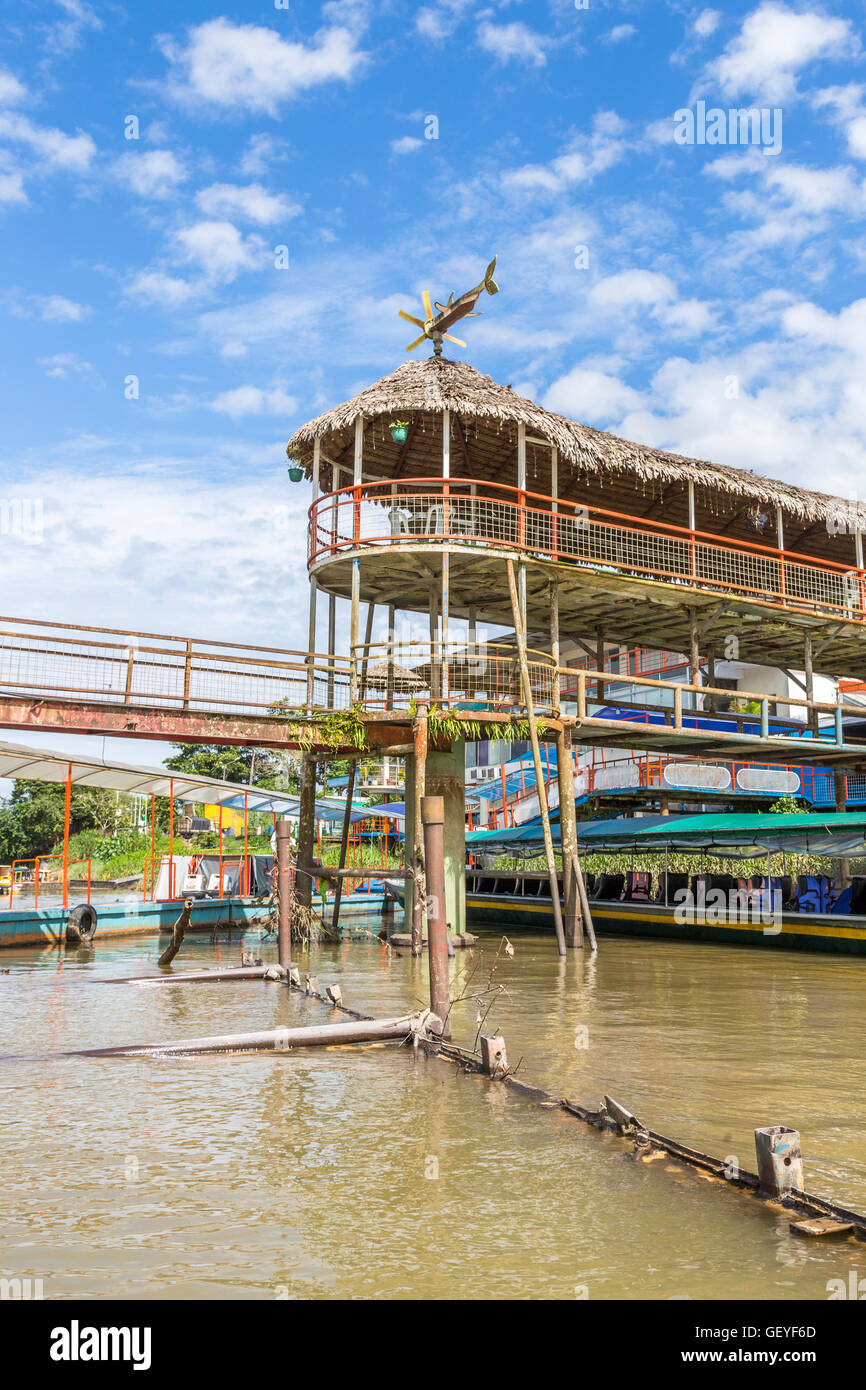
(358, 1173)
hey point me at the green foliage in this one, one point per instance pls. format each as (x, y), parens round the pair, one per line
(338, 729)
(788, 806)
(228, 763)
(31, 822)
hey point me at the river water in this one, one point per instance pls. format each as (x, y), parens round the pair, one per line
(356, 1173)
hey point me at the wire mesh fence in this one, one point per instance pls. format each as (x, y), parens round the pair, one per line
(472, 514)
(52, 660)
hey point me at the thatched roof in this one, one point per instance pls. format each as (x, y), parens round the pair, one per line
(487, 414)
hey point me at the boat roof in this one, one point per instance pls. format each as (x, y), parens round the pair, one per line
(832, 833)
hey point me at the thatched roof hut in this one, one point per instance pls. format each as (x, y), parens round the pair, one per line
(595, 468)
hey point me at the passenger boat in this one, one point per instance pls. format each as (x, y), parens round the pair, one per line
(778, 913)
(521, 900)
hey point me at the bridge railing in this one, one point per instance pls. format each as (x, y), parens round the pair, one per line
(472, 513)
(58, 660)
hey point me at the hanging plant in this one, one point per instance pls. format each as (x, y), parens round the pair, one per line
(756, 520)
(296, 470)
(399, 431)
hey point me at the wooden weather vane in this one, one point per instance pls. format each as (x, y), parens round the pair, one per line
(434, 325)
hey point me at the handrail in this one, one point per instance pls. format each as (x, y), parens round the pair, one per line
(501, 516)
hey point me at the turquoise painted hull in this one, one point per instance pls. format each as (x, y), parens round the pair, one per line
(46, 926)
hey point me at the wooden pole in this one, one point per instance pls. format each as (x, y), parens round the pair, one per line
(809, 680)
(599, 662)
(434, 670)
(536, 757)
(283, 833)
(177, 934)
(694, 655)
(344, 843)
(433, 817)
(568, 829)
(368, 633)
(420, 739)
(332, 637)
(389, 681)
(306, 833)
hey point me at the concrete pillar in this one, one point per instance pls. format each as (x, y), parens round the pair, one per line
(445, 777)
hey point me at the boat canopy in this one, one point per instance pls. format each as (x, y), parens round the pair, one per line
(835, 834)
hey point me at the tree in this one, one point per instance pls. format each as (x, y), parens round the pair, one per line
(31, 822)
(233, 764)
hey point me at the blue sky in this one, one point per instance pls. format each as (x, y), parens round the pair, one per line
(704, 298)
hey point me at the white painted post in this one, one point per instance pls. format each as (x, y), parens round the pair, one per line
(521, 485)
(446, 575)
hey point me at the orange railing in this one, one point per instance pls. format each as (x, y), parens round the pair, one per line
(472, 513)
(37, 863)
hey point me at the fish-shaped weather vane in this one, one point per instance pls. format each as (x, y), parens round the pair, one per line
(435, 325)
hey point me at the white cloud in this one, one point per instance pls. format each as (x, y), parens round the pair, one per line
(220, 249)
(64, 365)
(248, 67)
(157, 287)
(632, 289)
(52, 147)
(11, 188)
(773, 45)
(619, 32)
(11, 90)
(706, 23)
(592, 396)
(154, 174)
(251, 201)
(254, 400)
(515, 40)
(64, 35)
(56, 308)
(439, 22)
(261, 151)
(585, 157)
(847, 110)
(406, 144)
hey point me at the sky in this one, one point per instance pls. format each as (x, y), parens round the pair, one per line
(211, 214)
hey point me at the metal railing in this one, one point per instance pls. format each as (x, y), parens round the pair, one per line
(476, 514)
(166, 673)
(391, 675)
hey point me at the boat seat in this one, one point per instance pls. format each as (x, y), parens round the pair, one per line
(638, 887)
(675, 884)
(609, 887)
(808, 893)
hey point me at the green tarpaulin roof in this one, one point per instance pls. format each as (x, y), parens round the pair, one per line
(835, 833)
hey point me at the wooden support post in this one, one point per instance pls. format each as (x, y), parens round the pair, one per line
(368, 635)
(332, 637)
(494, 1059)
(357, 479)
(554, 646)
(809, 680)
(711, 677)
(283, 834)
(694, 657)
(306, 833)
(568, 829)
(536, 758)
(434, 625)
(389, 680)
(420, 739)
(599, 662)
(433, 817)
(344, 843)
(311, 633)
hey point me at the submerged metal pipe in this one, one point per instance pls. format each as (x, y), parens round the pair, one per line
(270, 1040)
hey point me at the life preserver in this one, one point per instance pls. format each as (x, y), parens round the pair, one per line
(81, 924)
